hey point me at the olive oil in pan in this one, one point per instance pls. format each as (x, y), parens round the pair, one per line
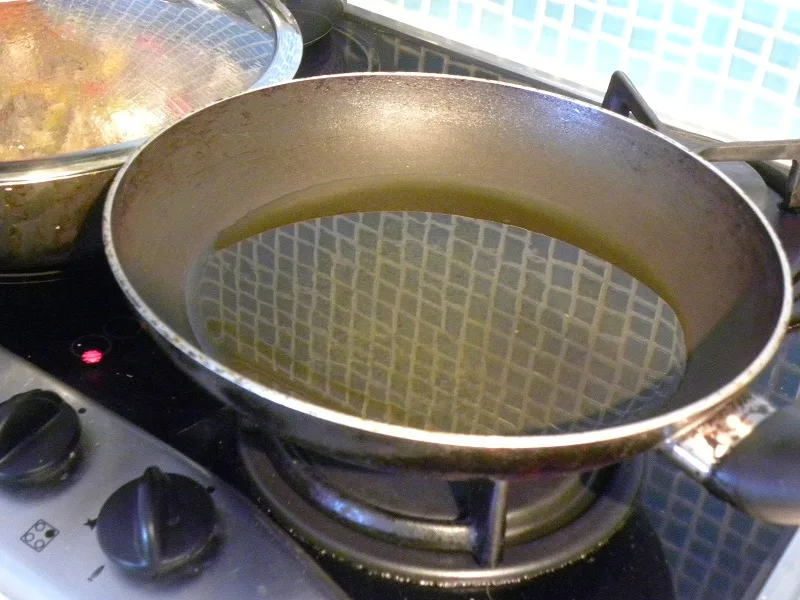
(437, 321)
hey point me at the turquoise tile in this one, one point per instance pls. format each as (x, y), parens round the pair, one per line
(741, 69)
(413, 5)
(440, 9)
(709, 62)
(524, 9)
(716, 30)
(725, 3)
(548, 41)
(620, 3)
(650, 9)
(554, 10)
(608, 57)
(792, 23)
(522, 38)
(681, 40)
(765, 113)
(612, 25)
(675, 58)
(761, 12)
(583, 18)
(642, 39)
(684, 14)
(667, 82)
(732, 102)
(500, 2)
(464, 12)
(775, 82)
(749, 41)
(784, 54)
(577, 51)
(639, 70)
(701, 91)
(491, 24)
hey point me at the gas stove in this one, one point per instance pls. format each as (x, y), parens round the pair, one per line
(636, 530)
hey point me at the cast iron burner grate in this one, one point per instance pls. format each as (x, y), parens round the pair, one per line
(424, 530)
(340, 52)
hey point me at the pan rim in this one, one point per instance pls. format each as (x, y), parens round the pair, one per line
(667, 423)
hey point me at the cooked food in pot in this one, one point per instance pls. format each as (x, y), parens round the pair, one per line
(65, 87)
(54, 87)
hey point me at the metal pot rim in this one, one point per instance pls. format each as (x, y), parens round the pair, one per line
(63, 166)
(666, 423)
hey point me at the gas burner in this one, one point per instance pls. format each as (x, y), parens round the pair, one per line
(424, 530)
(339, 52)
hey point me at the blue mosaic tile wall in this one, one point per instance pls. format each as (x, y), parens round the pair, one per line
(729, 67)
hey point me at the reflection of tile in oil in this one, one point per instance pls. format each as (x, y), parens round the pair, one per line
(525, 332)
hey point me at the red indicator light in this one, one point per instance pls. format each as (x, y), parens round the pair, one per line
(92, 357)
(90, 349)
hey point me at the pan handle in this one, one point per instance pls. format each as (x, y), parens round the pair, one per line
(747, 454)
(623, 98)
(758, 152)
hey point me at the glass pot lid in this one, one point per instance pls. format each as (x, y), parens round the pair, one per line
(83, 74)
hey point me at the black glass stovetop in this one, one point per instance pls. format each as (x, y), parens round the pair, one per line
(679, 542)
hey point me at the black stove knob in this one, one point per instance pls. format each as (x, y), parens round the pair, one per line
(157, 524)
(39, 435)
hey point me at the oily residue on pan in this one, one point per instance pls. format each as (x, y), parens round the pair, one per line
(432, 320)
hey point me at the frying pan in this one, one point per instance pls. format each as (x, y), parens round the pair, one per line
(592, 179)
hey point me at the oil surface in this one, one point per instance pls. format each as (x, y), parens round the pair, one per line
(443, 320)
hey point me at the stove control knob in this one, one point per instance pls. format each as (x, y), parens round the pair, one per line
(157, 524)
(39, 435)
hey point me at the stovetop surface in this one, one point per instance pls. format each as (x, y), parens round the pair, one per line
(679, 542)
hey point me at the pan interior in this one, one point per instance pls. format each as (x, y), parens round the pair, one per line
(436, 321)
